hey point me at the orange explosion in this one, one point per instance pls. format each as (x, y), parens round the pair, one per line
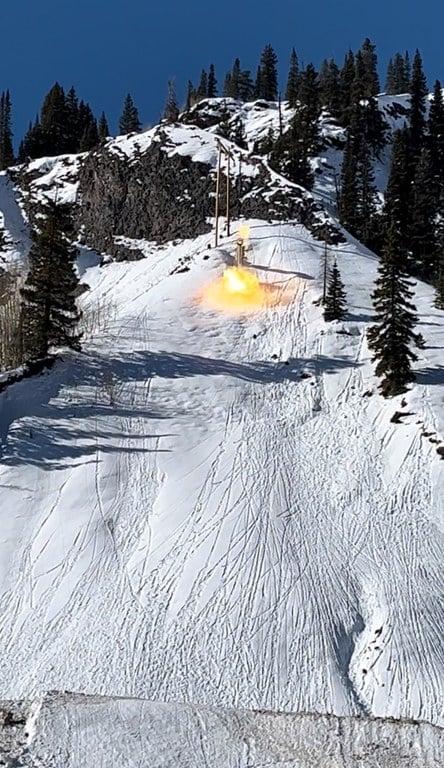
(238, 291)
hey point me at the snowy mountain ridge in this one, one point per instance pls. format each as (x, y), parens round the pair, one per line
(220, 509)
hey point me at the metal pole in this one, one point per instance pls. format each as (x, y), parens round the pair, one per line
(228, 194)
(216, 234)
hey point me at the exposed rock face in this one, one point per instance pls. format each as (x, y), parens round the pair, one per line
(155, 197)
(161, 196)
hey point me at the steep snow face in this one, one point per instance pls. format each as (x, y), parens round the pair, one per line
(68, 731)
(218, 509)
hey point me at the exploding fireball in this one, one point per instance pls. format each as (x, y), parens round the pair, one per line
(239, 291)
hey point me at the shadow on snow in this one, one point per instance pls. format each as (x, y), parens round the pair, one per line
(88, 405)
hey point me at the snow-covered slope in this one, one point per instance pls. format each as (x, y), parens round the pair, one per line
(209, 508)
(217, 508)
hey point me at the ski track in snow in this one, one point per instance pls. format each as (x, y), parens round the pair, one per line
(185, 517)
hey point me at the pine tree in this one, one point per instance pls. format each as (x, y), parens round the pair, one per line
(291, 91)
(268, 75)
(422, 217)
(291, 152)
(202, 89)
(129, 120)
(335, 299)
(246, 87)
(346, 80)
(103, 129)
(370, 64)
(309, 93)
(393, 335)
(6, 148)
(330, 87)
(258, 84)
(234, 81)
(53, 121)
(439, 285)
(49, 314)
(418, 94)
(436, 141)
(190, 97)
(171, 112)
(74, 129)
(212, 83)
(90, 135)
(348, 190)
(238, 134)
(398, 75)
(397, 195)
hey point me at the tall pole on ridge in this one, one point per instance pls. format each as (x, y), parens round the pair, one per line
(219, 160)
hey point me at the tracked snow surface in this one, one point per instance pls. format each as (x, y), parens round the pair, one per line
(218, 509)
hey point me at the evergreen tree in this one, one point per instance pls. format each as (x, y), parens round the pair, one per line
(258, 84)
(74, 128)
(335, 299)
(436, 141)
(398, 75)
(234, 82)
(268, 75)
(291, 152)
(202, 89)
(90, 135)
(238, 134)
(346, 80)
(392, 337)
(291, 91)
(6, 148)
(397, 195)
(212, 83)
(422, 217)
(129, 120)
(35, 143)
(348, 190)
(54, 122)
(330, 87)
(390, 78)
(227, 89)
(309, 93)
(49, 313)
(103, 129)
(246, 87)
(171, 112)
(418, 94)
(370, 69)
(439, 285)
(366, 201)
(191, 96)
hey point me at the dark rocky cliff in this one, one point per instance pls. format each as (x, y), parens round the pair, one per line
(161, 193)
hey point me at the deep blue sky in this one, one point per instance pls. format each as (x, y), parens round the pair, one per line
(106, 49)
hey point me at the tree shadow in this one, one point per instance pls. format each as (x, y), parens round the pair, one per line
(291, 273)
(173, 365)
(430, 376)
(360, 317)
(85, 405)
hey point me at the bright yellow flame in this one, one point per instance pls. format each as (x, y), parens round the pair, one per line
(244, 232)
(239, 291)
(238, 280)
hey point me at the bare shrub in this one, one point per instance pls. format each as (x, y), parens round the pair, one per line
(11, 355)
(97, 318)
